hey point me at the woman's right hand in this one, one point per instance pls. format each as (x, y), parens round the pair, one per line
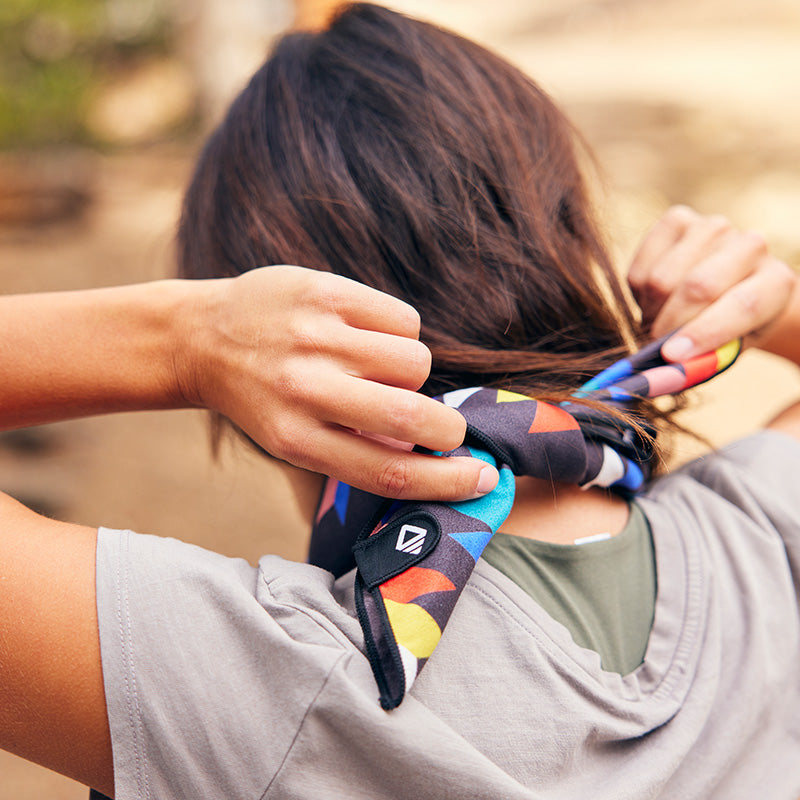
(323, 372)
(711, 283)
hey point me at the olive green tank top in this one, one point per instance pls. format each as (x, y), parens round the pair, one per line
(603, 591)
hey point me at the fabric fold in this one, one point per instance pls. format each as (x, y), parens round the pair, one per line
(413, 559)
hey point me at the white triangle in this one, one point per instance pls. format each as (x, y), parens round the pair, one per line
(455, 398)
(612, 470)
(411, 539)
(410, 665)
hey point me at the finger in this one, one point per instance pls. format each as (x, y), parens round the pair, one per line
(382, 357)
(659, 239)
(390, 472)
(370, 309)
(739, 256)
(666, 272)
(328, 342)
(373, 407)
(745, 309)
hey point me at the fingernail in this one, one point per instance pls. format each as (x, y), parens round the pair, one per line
(487, 480)
(677, 348)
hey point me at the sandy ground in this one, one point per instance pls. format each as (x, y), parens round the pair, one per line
(683, 101)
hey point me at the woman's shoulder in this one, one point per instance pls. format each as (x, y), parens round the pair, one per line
(762, 466)
(741, 501)
(188, 636)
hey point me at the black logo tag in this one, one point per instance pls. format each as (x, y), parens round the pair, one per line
(405, 541)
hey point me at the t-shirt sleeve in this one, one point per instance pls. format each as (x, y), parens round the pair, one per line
(772, 459)
(759, 475)
(206, 684)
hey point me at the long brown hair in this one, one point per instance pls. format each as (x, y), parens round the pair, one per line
(408, 158)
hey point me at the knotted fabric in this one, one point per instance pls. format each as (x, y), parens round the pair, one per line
(413, 559)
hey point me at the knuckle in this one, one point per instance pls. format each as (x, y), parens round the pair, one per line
(299, 444)
(659, 284)
(747, 304)
(680, 216)
(284, 443)
(754, 243)
(414, 319)
(418, 362)
(405, 412)
(681, 212)
(461, 482)
(404, 316)
(716, 224)
(785, 276)
(637, 278)
(288, 380)
(456, 430)
(328, 295)
(700, 289)
(307, 335)
(394, 478)
(322, 291)
(304, 281)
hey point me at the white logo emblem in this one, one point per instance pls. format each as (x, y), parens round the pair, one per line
(410, 539)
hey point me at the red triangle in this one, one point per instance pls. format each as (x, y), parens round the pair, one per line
(700, 369)
(413, 582)
(549, 419)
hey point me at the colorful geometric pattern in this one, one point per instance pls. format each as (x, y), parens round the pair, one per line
(414, 559)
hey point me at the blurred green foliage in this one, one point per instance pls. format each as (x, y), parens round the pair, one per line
(54, 53)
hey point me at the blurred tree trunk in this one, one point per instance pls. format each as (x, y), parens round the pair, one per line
(225, 42)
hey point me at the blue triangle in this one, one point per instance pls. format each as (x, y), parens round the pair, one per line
(633, 477)
(619, 394)
(613, 374)
(473, 541)
(340, 500)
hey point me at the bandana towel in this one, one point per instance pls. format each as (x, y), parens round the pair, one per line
(413, 559)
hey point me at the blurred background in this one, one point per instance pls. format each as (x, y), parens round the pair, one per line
(105, 103)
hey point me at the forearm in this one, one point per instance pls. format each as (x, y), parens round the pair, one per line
(783, 337)
(71, 354)
(304, 362)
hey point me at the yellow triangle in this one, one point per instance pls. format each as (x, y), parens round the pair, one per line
(727, 353)
(504, 396)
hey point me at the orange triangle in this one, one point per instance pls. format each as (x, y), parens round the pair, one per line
(549, 419)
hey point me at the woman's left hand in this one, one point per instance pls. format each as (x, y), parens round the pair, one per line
(707, 281)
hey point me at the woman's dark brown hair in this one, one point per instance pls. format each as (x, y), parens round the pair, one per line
(405, 157)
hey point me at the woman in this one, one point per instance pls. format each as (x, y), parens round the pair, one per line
(385, 150)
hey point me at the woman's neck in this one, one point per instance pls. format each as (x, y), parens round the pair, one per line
(551, 512)
(561, 513)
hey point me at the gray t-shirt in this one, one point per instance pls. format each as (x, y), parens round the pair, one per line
(228, 681)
